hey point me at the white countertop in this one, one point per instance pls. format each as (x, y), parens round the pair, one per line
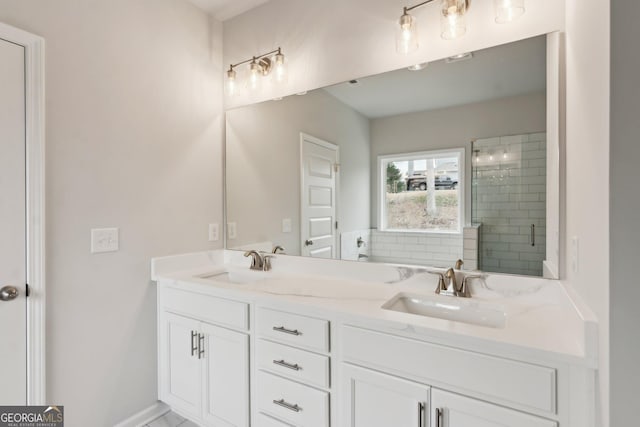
(544, 318)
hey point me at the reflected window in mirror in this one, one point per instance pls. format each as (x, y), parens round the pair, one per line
(422, 192)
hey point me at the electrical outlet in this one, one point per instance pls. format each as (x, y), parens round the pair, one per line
(286, 225)
(214, 232)
(231, 230)
(104, 240)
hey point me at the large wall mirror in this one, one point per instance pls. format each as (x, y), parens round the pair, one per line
(419, 167)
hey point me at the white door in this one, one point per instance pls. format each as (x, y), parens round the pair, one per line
(183, 369)
(318, 199)
(372, 399)
(13, 346)
(226, 387)
(452, 410)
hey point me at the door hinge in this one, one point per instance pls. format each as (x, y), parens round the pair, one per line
(336, 167)
(28, 291)
(336, 225)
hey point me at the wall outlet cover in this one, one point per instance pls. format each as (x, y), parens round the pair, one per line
(231, 230)
(214, 234)
(104, 240)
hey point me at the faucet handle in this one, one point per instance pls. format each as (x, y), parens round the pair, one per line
(266, 262)
(459, 264)
(257, 262)
(464, 288)
(442, 286)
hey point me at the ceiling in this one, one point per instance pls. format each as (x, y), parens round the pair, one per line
(499, 72)
(226, 9)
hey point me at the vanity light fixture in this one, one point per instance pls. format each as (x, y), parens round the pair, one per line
(452, 21)
(508, 10)
(452, 18)
(259, 66)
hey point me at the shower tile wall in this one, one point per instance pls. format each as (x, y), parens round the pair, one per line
(508, 196)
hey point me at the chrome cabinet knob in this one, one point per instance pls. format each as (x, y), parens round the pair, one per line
(8, 293)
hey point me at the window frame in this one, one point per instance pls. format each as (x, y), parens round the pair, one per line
(385, 159)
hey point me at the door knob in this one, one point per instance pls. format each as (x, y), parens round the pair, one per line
(308, 242)
(8, 293)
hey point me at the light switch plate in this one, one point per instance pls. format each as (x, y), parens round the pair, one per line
(286, 225)
(231, 230)
(214, 234)
(104, 240)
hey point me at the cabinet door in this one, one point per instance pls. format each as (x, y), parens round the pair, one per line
(181, 369)
(372, 399)
(226, 377)
(452, 410)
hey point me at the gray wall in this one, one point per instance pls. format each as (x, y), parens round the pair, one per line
(454, 128)
(625, 209)
(133, 140)
(263, 165)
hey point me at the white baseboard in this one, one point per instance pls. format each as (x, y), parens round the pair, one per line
(145, 416)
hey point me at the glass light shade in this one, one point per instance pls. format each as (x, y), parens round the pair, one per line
(452, 19)
(407, 34)
(254, 75)
(508, 10)
(231, 82)
(279, 69)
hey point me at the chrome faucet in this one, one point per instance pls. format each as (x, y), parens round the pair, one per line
(448, 282)
(259, 262)
(277, 249)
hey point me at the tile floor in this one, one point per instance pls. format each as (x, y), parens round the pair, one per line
(171, 419)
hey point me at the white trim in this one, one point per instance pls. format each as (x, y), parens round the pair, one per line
(35, 138)
(381, 184)
(145, 416)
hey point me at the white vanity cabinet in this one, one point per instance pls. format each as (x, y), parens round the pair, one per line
(203, 368)
(373, 399)
(453, 410)
(293, 368)
(500, 390)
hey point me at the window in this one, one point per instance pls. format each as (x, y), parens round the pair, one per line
(422, 192)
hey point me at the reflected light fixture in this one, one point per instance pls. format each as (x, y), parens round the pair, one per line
(508, 10)
(418, 67)
(259, 66)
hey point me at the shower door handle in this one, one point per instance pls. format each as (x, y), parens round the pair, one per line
(533, 234)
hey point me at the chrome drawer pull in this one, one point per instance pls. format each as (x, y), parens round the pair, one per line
(194, 346)
(438, 417)
(289, 406)
(287, 331)
(200, 346)
(284, 364)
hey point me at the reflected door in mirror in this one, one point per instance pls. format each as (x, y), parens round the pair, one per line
(318, 202)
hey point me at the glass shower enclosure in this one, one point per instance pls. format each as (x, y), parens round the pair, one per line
(508, 200)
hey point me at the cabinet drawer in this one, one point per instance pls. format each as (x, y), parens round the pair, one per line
(293, 329)
(295, 403)
(297, 364)
(458, 410)
(518, 384)
(267, 421)
(207, 308)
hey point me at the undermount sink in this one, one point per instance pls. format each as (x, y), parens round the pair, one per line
(463, 310)
(238, 277)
